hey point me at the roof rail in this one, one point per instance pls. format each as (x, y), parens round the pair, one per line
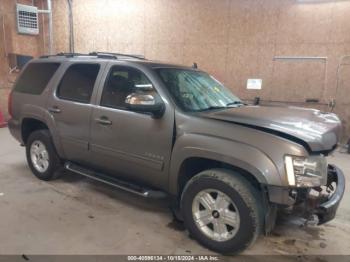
(64, 54)
(71, 54)
(109, 54)
(103, 55)
(106, 55)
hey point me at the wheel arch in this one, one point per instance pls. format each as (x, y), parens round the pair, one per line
(246, 160)
(30, 124)
(194, 165)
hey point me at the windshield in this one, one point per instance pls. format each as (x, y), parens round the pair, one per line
(196, 91)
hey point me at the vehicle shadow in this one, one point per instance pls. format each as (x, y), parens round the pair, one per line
(145, 204)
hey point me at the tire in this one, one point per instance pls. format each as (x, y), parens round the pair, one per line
(42, 170)
(241, 199)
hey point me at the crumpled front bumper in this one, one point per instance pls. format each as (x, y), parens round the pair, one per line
(326, 210)
(323, 204)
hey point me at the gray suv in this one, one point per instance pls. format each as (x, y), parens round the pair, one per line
(163, 130)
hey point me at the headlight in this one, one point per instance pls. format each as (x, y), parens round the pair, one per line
(306, 171)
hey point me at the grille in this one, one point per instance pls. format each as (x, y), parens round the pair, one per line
(27, 19)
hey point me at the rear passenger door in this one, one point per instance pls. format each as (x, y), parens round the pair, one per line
(70, 107)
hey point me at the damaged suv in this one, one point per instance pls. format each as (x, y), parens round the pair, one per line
(163, 130)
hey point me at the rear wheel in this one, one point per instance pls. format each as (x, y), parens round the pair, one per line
(222, 211)
(41, 155)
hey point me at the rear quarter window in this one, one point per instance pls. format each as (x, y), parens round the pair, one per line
(35, 78)
(78, 82)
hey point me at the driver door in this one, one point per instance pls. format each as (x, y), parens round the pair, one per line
(130, 144)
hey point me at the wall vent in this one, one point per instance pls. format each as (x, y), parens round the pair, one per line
(27, 19)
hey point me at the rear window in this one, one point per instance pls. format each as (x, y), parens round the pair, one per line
(78, 82)
(35, 78)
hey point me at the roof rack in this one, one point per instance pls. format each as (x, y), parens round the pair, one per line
(106, 55)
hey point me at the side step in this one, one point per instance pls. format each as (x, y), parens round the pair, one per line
(126, 186)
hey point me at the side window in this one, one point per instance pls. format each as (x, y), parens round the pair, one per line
(121, 82)
(78, 82)
(35, 78)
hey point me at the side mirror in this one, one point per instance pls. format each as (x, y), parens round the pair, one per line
(145, 103)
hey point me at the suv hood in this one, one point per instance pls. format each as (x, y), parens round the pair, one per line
(316, 130)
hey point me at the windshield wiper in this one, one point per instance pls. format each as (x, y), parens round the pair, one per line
(228, 105)
(235, 103)
(212, 108)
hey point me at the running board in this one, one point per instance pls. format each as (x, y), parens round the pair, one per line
(126, 186)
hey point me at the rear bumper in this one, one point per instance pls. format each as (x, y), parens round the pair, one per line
(326, 211)
(15, 129)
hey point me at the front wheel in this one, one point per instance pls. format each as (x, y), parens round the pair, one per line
(222, 210)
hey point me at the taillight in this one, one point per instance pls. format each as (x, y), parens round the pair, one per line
(9, 104)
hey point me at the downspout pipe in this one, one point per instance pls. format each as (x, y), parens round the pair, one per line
(49, 7)
(71, 28)
(48, 11)
(4, 34)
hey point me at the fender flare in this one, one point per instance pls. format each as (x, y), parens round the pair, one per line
(234, 153)
(45, 117)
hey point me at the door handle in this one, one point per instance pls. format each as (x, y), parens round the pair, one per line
(54, 109)
(104, 121)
